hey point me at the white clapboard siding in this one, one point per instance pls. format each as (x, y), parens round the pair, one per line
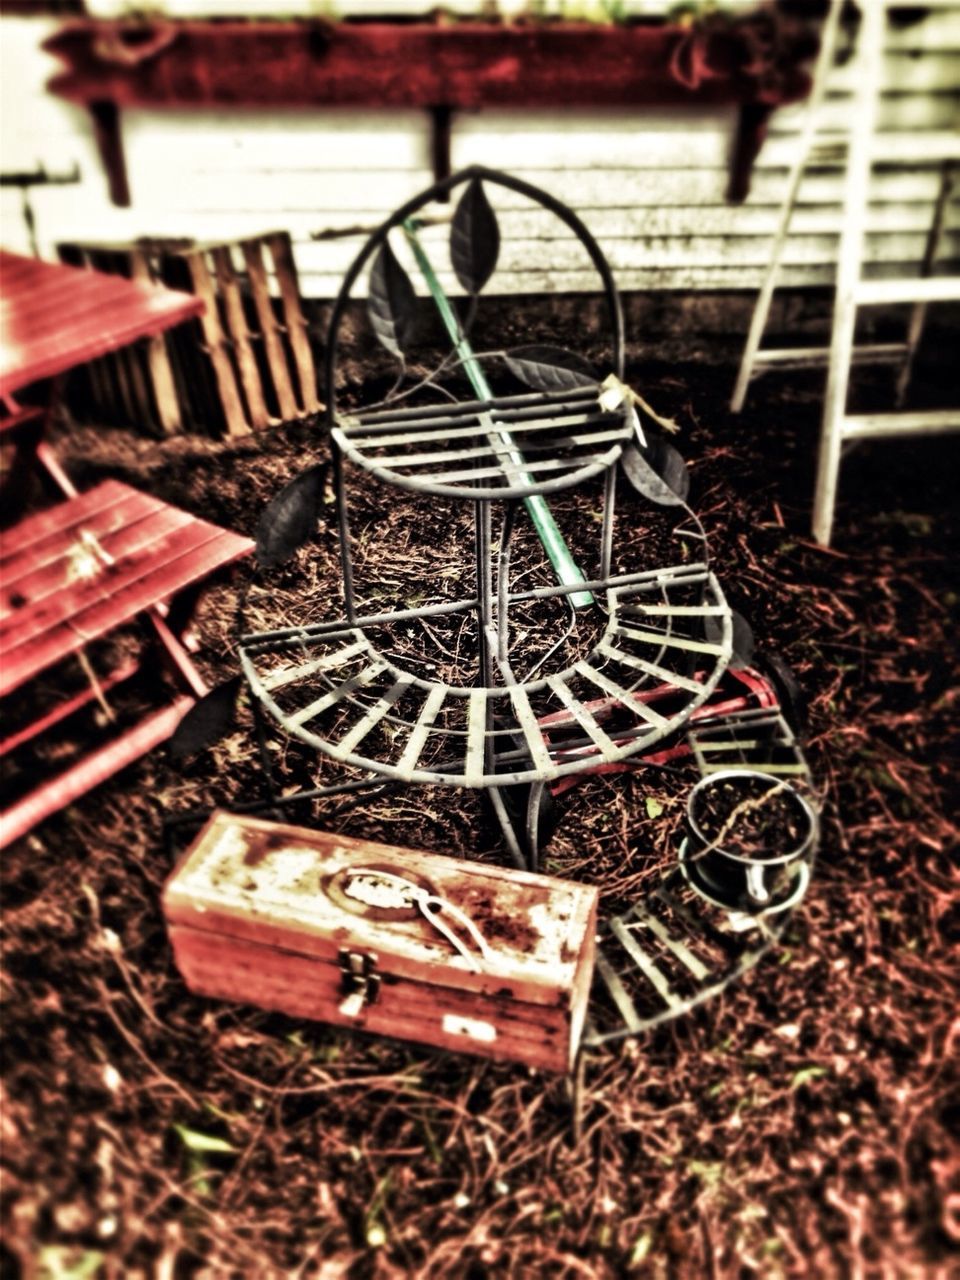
(905, 72)
(650, 184)
(632, 253)
(319, 201)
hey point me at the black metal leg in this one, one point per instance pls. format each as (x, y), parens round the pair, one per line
(263, 750)
(575, 1082)
(509, 834)
(535, 802)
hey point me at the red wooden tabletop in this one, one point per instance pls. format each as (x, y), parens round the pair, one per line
(54, 317)
(75, 572)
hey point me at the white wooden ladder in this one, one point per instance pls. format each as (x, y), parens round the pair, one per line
(865, 147)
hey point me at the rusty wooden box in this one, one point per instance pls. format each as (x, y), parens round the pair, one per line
(449, 953)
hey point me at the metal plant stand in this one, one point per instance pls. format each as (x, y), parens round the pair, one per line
(340, 686)
(642, 668)
(681, 945)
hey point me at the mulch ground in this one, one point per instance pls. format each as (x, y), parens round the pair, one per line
(800, 1125)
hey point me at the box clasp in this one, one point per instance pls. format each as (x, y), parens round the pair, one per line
(358, 981)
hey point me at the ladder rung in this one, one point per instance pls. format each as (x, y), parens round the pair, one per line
(421, 730)
(287, 675)
(663, 674)
(929, 422)
(339, 694)
(586, 721)
(539, 755)
(872, 293)
(908, 147)
(903, 147)
(928, 4)
(476, 737)
(810, 355)
(664, 639)
(787, 770)
(373, 716)
(623, 696)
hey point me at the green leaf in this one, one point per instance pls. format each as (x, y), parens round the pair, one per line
(391, 302)
(805, 1074)
(474, 239)
(203, 1142)
(654, 807)
(549, 369)
(710, 1172)
(220, 1114)
(641, 1247)
(60, 1262)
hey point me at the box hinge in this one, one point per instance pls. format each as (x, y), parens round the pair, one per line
(358, 981)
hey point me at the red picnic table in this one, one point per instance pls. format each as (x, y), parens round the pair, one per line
(77, 572)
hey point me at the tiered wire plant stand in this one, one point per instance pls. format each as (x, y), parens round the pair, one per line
(606, 652)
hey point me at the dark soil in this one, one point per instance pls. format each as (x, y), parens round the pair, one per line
(802, 1125)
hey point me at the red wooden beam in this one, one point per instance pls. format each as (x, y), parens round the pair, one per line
(82, 777)
(55, 317)
(445, 67)
(63, 710)
(463, 66)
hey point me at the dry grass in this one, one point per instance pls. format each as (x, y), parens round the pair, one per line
(799, 1126)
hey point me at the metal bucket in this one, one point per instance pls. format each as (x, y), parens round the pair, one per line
(749, 837)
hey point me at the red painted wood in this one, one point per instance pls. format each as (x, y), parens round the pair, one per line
(125, 507)
(462, 65)
(143, 537)
(177, 654)
(207, 553)
(32, 413)
(32, 530)
(90, 772)
(39, 613)
(66, 708)
(54, 631)
(54, 317)
(47, 459)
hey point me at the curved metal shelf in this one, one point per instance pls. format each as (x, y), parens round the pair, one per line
(666, 956)
(331, 686)
(502, 448)
(678, 948)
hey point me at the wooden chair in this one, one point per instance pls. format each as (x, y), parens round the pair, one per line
(95, 562)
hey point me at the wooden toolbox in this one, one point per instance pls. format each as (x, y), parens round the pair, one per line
(449, 953)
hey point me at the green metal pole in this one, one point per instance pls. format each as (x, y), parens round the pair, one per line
(566, 568)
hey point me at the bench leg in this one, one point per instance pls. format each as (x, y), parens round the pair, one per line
(187, 674)
(88, 773)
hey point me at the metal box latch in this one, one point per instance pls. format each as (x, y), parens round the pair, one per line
(359, 981)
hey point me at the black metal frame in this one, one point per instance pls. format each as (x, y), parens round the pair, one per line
(654, 617)
(490, 737)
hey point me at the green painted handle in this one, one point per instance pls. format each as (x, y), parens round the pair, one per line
(566, 568)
